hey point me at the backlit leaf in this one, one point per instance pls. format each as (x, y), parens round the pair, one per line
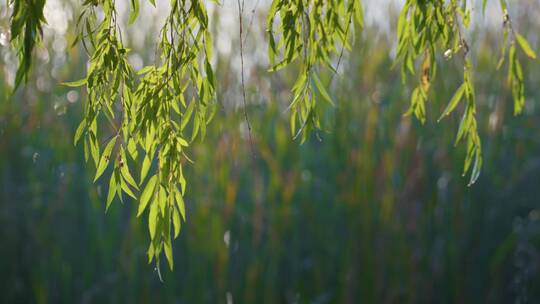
(147, 194)
(105, 157)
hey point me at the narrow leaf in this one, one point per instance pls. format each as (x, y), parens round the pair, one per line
(525, 46)
(152, 220)
(105, 157)
(147, 194)
(112, 191)
(453, 102)
(75, 84)
(322, 89)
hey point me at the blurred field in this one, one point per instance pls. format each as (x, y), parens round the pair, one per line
(373, 211)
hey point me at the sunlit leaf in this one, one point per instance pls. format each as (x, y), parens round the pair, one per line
(112, 191)
(105, 157)
(524, 44)
(75, 84)
(153, 219)
(454, 101)
(147, 194)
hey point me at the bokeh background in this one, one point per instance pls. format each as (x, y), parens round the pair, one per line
(372, 210)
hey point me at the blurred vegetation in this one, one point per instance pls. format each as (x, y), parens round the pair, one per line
(373, 210)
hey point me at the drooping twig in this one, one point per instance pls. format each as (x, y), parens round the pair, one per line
(243, 84)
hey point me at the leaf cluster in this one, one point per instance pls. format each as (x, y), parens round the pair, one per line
(152, 116)
(155, 113)
(310, 32)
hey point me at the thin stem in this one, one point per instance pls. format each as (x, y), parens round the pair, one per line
(240, 14)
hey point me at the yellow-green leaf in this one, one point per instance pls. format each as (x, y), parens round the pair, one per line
(168, 253)
(525, 46)
(75, 84)
(322, 89)
(176, 222)
(127, 176)
(145, 167)
(454, 101)
(112, 191)
(152, 219)
(147, 193)
(180, 203)
(105, 157)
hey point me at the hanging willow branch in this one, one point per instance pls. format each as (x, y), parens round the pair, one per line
(309, 32)
(26, 29)
(154, 114)
(427, 29)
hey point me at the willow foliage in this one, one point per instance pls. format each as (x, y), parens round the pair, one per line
(158, 111)
(427, 29)
(310, 32)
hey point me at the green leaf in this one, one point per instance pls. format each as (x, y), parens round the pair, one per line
(525, 46)
(126, 189)
(79, 132)
(463, 126)
(145, 167)
(146, 69)
(132, 149)
(476, 168)
(105, 157)
(168, 253)
(176, 222)
(210, 74)
(180, 204)
(183, 182)
(134, 11)
(183, 142)
(127, 176)
(153, 219)
(94, 149)
(503, 5)
(75, 84)
(150, 252)
(112, 191)
(186, 117)
(322, 89)
(147, 193)
(162, 199)
(454, 101)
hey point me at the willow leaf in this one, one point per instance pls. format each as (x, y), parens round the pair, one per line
(147, 194)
